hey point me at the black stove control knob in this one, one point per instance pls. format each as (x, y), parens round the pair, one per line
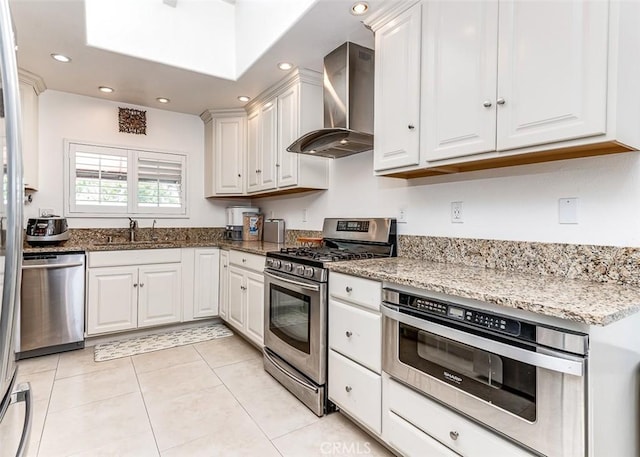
(308, 272)
(269, 262)
(300, 270)
(276, 264)
(287, 266)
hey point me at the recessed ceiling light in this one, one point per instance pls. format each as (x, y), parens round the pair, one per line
(244, 98)
(105, 89)
(285, 66)
(61, 58)
(359, 8)
(163, 100)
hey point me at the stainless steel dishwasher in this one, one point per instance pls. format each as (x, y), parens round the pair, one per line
(51, 317)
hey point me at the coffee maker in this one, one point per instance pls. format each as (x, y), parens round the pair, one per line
(235, 221)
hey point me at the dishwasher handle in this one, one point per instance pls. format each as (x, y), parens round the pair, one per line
(49, 266)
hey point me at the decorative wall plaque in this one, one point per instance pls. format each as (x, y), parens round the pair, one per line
(132, 121)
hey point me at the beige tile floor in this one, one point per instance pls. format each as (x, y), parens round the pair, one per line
(205, 399)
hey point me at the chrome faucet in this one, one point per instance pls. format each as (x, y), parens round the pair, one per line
(133, 226)
(153, 231)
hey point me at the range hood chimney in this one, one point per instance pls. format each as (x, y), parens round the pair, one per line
(348, 105)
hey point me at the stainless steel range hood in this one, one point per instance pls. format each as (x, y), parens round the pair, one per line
(348, 105)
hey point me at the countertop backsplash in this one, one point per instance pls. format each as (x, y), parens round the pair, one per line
(610, 264)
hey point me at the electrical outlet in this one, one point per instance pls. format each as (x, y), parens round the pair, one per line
(304, 215)
(44, 212)
(402, 216)
(456, 212)
(568, 210)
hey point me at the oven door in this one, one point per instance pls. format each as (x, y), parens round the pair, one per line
(535, 397)
(296, 322)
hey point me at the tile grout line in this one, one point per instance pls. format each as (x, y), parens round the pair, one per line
(146, 408)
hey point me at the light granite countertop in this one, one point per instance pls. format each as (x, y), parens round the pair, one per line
(587, 302)
(252, 247)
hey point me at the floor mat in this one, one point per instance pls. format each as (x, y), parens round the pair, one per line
(157, 341)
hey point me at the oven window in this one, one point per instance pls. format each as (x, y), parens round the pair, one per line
(289, 317)
(506, 383)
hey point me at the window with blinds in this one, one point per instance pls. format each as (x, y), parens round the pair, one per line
(105, 180)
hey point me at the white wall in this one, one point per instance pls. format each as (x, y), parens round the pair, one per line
(66, 116)
(515, 203)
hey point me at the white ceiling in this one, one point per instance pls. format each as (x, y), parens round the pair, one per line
(47, 26)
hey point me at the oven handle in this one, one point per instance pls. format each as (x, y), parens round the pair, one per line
(303, 285)
(307, 386)
(549, 362)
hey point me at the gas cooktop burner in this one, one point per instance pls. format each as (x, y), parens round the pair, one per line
(327, 254)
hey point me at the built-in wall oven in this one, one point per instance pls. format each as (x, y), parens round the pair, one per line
(295, 333)
(524, 380)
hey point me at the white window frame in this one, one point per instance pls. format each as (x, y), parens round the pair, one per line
(132, 208)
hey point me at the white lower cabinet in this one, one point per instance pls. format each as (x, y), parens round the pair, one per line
(112, 300)
(245, 290)
(223, 288)
(355, 362)
(159, 289)
(205, 291)
(434, 422)
(133, 289)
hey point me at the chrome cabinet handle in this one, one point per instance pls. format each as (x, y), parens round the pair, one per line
(487, 104)
(135, 285)
(239, 175)
(244, 260)
(141, 284)
(500, 101)
(453, 435)
(348, 388)
(348, 289)
(411, 127)
(348, 333)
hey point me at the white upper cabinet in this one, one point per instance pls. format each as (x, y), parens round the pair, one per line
(225, 151)
(552, 71)
(397, 91)
(504, 82)
(30, 87)
(459, 74)
(251, 157)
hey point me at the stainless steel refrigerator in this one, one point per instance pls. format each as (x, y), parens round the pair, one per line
(11, 228)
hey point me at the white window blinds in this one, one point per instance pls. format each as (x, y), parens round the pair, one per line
(104, 180)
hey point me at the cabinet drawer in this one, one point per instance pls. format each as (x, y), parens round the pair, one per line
(409, 440)
(472, 440)
(356, 333)
(133, 257)
(363, 292)
(246, 260)
(356, 390)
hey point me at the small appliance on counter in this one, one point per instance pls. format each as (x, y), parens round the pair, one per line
(273, 231)
(252, 226)
(50, 230)
(235, 221)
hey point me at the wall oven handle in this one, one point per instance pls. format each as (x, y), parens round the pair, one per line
(549, 362)
(303, 285)
(304, 384)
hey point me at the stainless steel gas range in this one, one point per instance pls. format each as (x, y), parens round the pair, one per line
(295, 333)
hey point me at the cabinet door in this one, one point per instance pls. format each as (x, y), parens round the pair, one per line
(229, 152)
(160, 292)
(237, 300)
(254, 151)
(112, 300)
(269, 147)
(288, 132)
(207, 273)
(459, 75)
(255, 307)
(29, 106)
(224, 285)
(552, 66)
(397, 92)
